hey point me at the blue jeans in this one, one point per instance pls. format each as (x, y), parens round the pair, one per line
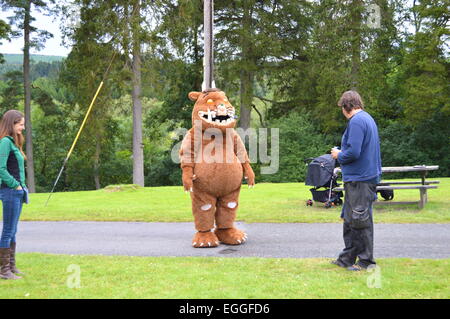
(12, 207)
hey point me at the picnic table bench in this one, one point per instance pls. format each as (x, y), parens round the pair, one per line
(423, 185)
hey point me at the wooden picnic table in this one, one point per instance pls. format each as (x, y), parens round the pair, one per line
(423, 185)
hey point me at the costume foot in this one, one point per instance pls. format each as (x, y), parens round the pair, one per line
(231, 236)
(205, 240)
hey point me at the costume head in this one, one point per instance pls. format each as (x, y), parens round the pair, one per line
(213, 110)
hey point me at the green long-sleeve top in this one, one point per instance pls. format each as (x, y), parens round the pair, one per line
(12, 167)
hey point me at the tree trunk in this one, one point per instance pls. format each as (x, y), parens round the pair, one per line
(27, 90)
(138, 147)
(356, 20)
(246, 93)
(97, 163)
(246, 90)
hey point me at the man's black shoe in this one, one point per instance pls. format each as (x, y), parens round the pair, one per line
(355, 268)
(339, 263)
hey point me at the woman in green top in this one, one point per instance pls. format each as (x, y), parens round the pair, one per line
(12, 182)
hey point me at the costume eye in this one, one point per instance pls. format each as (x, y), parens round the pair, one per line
(210, 101)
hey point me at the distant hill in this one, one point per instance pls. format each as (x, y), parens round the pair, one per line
(18, 58)
(41, 65)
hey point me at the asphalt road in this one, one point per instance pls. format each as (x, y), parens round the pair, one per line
(265, 240)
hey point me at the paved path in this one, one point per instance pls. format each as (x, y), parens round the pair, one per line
(265, 240)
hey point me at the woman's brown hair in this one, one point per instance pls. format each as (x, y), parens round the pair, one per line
(9, 119)
(351, 100)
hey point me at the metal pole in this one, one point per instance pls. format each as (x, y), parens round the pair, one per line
(208, 60)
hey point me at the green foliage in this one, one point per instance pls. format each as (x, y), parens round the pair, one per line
(5, 30)
(12, 93)
(17, 59)
(425, 75)
(299, 139)
(426, 143)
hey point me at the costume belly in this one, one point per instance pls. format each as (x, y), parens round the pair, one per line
(218, 179)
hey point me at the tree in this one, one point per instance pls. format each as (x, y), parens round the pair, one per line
(424, 72)
(246, 39)
(81, 77)
(12, 94)
(121, 25)
(5, 30)
(23, 20)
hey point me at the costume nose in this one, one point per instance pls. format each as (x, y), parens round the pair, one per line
(221, 109)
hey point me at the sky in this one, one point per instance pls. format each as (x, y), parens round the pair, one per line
(52, 46)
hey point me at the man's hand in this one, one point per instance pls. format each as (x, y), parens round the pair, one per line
(188, 177)
(335, 152)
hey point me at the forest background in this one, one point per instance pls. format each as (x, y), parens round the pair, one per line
(283, 64)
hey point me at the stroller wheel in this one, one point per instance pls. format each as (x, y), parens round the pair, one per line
(328, 204)
(309, 202)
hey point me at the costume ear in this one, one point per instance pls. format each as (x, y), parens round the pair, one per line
(193, 96)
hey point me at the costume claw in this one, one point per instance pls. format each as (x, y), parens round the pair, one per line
(201, 244)
(193, 244)
(191, 190)
(239, 241)
(209, 244)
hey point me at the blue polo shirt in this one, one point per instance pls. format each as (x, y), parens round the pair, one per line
(360, 157)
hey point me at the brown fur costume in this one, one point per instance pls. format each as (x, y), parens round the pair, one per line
(214, 160)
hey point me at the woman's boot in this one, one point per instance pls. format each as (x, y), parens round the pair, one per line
(12, 260)
(5, 271)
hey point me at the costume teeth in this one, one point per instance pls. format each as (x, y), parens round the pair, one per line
(209, 116)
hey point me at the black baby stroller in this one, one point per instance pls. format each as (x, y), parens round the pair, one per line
(320, 174)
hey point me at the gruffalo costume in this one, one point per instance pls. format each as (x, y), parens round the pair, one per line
(214, 161)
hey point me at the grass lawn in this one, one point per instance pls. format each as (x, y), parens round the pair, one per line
(49, 276)
(265, 203)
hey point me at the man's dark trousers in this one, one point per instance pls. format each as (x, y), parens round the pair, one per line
(358, 240)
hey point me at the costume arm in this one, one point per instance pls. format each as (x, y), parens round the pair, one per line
(187, 160)
(241, 153)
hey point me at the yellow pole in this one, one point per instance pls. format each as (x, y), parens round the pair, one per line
(76, 139)
(84, 121)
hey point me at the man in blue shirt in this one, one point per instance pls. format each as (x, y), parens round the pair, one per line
(360, 161)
